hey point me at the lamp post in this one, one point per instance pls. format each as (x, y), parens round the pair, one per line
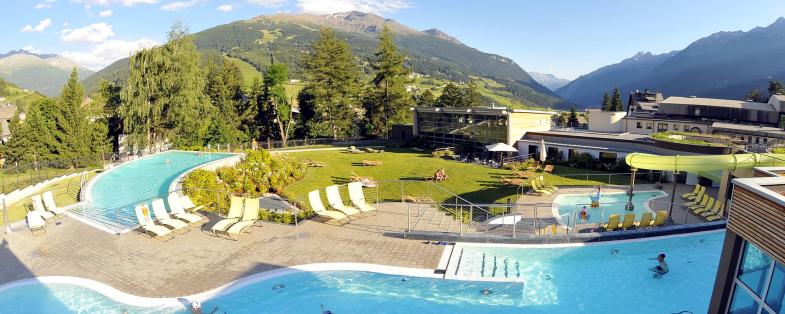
(630, 206)
(673, 196)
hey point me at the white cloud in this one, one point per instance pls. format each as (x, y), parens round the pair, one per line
(370, 6)
(179, 5)
(128, 3)
(93, 33)
(42, 5)
(109, 51)
(224, 8)
(267, 3)
(30, 48)
(42, 25)
(105, 13)
(65, 24)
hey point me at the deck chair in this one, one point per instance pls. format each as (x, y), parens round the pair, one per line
(703, 199)
(188, 204)
(613, 223)
(712, 211)
(645, 221)
(659, 220)
(628, 222)
(35, 222)
(698, 195)
(335, 201)
(235, 212)
(537, 189)
(49, 203)
(705, 208)
(38, 206)
(358, 198)
(706, 202)
(179, 212)
(159, 210)
(694, 192)
(718, 214)
(250, 216)
(318, 208)
(541, 183)
(148, 225)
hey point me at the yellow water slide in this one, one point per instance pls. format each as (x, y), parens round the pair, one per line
(704, 163)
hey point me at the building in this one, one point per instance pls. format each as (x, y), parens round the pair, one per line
(751, 275)
(473, 128)
(643, 102)
(7, 112)
(606, 121)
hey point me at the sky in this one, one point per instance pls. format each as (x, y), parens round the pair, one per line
(567, 38)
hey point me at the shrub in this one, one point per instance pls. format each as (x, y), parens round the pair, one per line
(203, 187)
(519, 165)
(583, 160)
(778, 150)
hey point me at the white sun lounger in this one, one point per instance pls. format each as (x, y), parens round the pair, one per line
(38, 206)
(163, 217)
(188, 204)
(318, 208)
(358, 198)
(335, 201)
(178, 212)
(49, 202)
(148, 225)
(35, 222)
(235, 212)
(250, 216)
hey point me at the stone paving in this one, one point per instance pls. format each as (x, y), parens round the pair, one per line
(196, 261)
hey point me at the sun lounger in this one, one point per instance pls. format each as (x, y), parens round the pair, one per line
(707, 200)
(705, 208)
(49, 203)
(371, 150)
(250, 216)
(188, 204)
(38, 206)
(371, 163)
(645, 221)
(698, 195)
(318, 208)
(718, 213)
(694, 192)
(159, 209)
(335, 201)
(613, 223)
(537, 189)
(702, 199)
(148, 225)
(358, 198)
(628, 222)
(179, 212)
(235, 212)
(35, 222)
(541, 183)
(548, 169)
(354, 150)
(659, 220)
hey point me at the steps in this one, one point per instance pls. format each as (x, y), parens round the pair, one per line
(432, 219)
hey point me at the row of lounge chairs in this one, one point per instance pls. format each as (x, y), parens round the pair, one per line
(243, 214)
(165, 223)
(340, 212)
(629, 222)
(538, 186)
(354, 150)
(703, 205)
(44, 208)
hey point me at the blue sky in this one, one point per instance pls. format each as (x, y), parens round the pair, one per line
(563, 37)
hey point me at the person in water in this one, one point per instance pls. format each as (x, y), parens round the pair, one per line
(661, 268)
(584, 213)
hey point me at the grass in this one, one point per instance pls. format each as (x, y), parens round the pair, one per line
(249, 71)
(11, 180)
(65, 193)
(689, 138)
(477, 184)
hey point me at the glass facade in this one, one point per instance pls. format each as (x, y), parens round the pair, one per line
(759, 285)
(464, 130)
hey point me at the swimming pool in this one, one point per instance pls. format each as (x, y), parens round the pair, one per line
(574, 279)
(610, 203)
(119, 189)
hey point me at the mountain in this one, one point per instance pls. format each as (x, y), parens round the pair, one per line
(11, 94)
(549, 80)
(45, 73)
(722, 65)
(432, 54)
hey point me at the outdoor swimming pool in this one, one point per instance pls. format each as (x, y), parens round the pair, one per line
(610, 203)
(601, 278)
(119, 189)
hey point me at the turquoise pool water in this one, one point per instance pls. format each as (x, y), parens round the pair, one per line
(124, 186)
(604, 278)
(610, 203)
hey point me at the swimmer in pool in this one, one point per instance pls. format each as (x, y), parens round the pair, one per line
(661, 268)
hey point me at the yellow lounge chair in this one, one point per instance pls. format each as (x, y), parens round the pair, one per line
(696, 202)
(250, 216)
(709, 202)
(628, 222)
(318, 208)
(718, 214)
(645, 221)
(694, 192)
(705, 208)
(613, 223)
(698, 195)
(712, 211)
(235, 212)
(546, 186)
(659, 220)
(537, 189)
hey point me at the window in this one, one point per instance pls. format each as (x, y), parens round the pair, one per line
(697, 112)
(675, 127)
(776, 294)
(686, 128)
(742, 303)
(648, 125)
(754, 268)
(661, 127)
(757, 140)
(639, 125)
(759, 285)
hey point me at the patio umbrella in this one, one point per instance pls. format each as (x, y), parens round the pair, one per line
(543, 153)
(501, 148)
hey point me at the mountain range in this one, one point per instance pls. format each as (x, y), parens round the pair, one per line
(45, 73)
(722, 65)
(433, 54)
(549, 80)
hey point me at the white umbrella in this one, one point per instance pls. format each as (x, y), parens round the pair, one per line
(543, 153)
(500, 147)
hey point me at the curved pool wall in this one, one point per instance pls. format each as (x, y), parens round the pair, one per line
(115, 192)
(610, 203)
(578, 278)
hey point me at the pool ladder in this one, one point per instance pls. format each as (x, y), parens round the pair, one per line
(490, 267)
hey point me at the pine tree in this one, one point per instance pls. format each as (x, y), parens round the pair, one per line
(754, 95)
(72, 130)
(32, 139)
(106, 102)
(776, 87)
(616, 103)
(387, 101)
(332, 72)
(452, 96)
(224, 88)
(277, 103)
(572, 120)
(606, 102)
(426, 99)
(471, 95)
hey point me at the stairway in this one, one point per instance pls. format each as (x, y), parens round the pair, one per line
(431, 219)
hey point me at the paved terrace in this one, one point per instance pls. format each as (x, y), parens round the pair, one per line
(195, 261)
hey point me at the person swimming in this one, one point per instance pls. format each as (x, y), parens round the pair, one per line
(584, 214)
(662, 267)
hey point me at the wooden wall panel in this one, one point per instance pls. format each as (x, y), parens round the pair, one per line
(759, 221)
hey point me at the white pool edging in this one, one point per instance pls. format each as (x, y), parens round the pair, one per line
(182, 302)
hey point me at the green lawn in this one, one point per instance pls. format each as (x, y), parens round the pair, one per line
(11, 179)
(477, 184)
(65, 193)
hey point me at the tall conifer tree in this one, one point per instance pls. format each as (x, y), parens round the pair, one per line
(387, 101)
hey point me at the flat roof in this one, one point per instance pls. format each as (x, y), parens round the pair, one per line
(759, 186)
(495, 110)
(714, 102)
(594, 135)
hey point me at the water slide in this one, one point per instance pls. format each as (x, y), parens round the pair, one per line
(705, 165)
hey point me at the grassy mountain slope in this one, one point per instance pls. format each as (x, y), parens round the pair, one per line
(19, 96)
(43, 73)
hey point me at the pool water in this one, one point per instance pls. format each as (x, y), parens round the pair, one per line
(610, 203)
(121, 188)
(603, 278)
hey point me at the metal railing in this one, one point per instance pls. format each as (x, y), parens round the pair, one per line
(646, 177)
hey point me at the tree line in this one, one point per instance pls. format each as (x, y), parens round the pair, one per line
(776, 87)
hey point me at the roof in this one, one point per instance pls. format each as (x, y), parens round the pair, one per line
(650, 106)
(494, 110)
(713, 102)
(7, 111)
(748, 129)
